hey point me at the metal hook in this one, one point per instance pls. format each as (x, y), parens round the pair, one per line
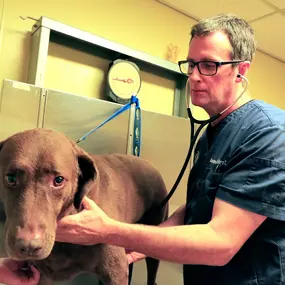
(28, 17)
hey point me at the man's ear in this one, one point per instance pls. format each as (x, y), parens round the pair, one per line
(87, 173)
(243, 68)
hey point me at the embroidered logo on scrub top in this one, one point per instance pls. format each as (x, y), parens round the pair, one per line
(218, 163)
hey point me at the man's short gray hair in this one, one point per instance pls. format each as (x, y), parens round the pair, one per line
(239, 32)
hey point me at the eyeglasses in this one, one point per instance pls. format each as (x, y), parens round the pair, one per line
(205, 67)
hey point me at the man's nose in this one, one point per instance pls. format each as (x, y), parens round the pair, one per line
(195, 75)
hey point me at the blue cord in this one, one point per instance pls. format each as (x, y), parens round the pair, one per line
(137, 124)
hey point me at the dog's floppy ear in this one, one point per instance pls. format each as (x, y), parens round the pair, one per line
(87, 173)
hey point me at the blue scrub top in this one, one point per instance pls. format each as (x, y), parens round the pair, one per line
(242, 161)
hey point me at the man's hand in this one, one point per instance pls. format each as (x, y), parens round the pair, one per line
(134, 256)
(86, 227)
(11, 273)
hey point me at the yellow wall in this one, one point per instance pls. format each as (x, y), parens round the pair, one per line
(143, 25)
(267, 79)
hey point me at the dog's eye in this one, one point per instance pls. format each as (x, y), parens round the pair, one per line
(58, 181)
(11, 179)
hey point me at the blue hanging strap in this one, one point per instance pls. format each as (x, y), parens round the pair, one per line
(137, 125)
(137, 128)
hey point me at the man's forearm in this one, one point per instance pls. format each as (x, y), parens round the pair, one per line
(193, 244)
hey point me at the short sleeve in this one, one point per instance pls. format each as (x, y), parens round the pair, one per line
(254, 175)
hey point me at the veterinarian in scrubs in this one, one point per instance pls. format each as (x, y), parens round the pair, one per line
(231, 230)
(11, 274)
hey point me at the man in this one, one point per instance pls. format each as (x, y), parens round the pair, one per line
(11, 274)
(231, 229)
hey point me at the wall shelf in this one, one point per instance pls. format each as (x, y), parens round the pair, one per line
(46, 30)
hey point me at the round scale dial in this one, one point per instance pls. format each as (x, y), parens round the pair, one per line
(123, 80)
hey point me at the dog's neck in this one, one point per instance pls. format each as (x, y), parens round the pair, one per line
(67, 209)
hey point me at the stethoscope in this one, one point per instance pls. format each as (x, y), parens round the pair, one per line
(194, 134)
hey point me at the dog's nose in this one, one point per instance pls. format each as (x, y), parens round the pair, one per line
(28, 248)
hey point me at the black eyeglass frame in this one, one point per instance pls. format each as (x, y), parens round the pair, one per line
(196, 63)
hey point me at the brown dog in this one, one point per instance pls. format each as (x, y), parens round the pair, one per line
(44, 176)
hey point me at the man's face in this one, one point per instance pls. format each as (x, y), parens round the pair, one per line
(217, 92)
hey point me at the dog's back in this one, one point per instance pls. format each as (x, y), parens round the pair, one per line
(131, 181)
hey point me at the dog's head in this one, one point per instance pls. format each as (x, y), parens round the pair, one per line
(42, 174)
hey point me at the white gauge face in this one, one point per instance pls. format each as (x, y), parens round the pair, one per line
(124, 80)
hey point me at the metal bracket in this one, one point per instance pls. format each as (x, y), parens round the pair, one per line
(42, 106)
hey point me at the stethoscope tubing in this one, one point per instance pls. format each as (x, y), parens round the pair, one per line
(194, 134)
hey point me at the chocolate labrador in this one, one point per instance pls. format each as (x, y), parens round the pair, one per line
(44, 176)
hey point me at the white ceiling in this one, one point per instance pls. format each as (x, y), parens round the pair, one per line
(267, 17)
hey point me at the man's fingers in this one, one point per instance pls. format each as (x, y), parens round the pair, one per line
(87, 203)
(133, 256)
(36, 273)
(65, 221)
(130, 258)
